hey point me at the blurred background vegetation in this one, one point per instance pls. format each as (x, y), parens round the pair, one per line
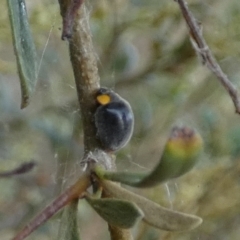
(144, 53)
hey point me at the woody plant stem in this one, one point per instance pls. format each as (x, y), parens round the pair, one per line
(87, 80)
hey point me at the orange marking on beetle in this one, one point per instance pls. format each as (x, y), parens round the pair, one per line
(103, 99)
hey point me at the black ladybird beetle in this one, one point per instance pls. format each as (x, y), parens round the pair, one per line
(114, 120)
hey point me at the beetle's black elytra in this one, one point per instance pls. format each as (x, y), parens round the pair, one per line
(114, 120)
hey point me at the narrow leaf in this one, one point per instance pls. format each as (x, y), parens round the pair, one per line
(154, 214)
(128, 178)
(179, 156)
(68, 228)
(116, 212)
(24, 48)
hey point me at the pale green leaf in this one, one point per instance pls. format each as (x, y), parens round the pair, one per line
(116, 212)
(24, 48)
(154, 214)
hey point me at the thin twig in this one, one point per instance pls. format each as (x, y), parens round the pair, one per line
(205, 53)
(23, 168)
(71, 194)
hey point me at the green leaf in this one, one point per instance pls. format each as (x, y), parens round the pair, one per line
(116, 212)
(128, 178)
(69, 228)
(179, 156)
(154, 214)
(24, 48)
